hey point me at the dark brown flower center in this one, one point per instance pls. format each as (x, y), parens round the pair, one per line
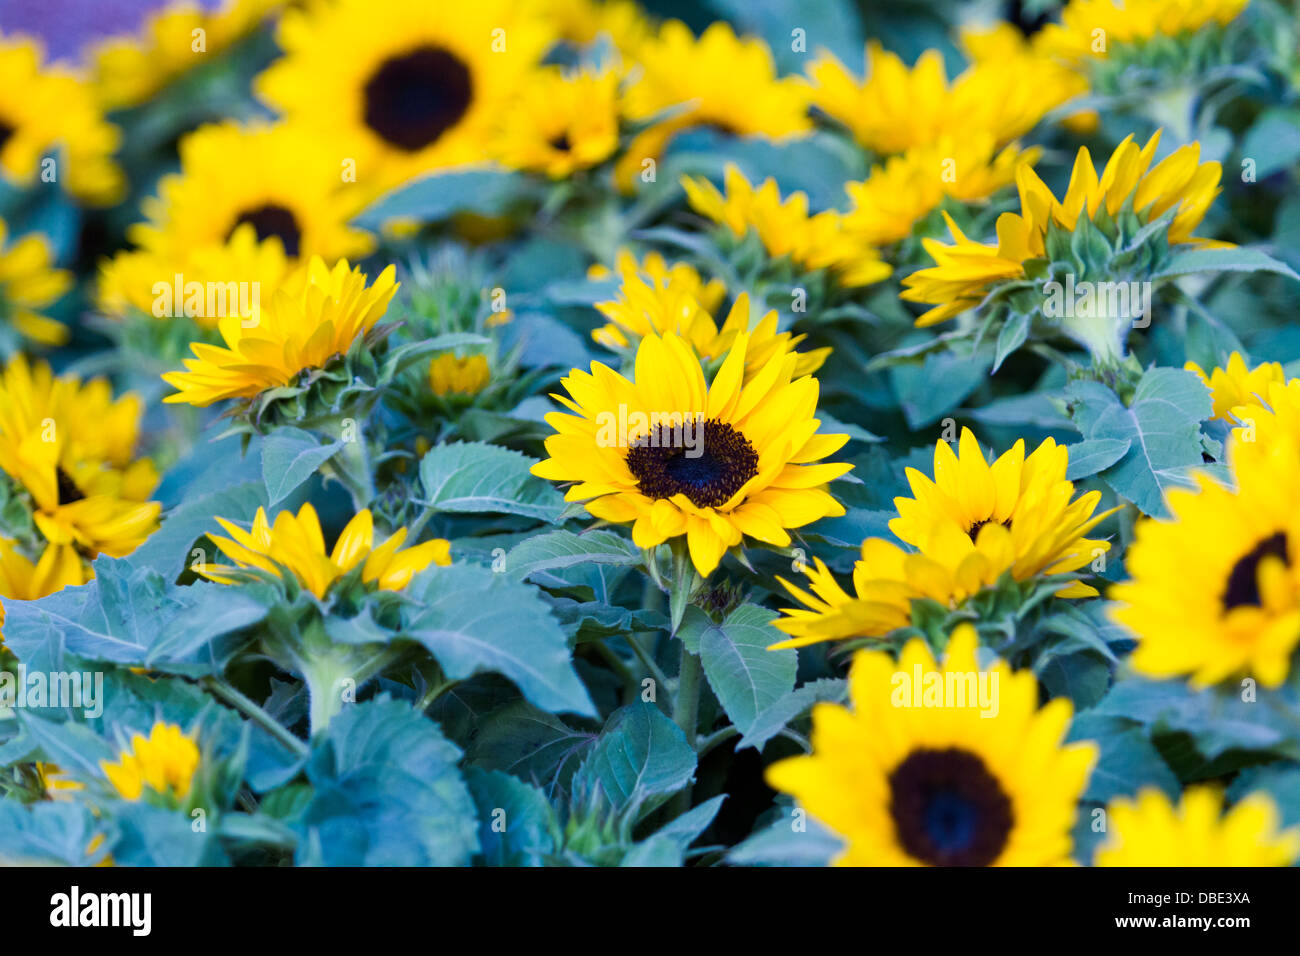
(975, 528)
(414, 98)
(273, 220)
(948, 810)
(6, 131)
(68, 490)
(1243, 581)
(561, 143)
(708, 470)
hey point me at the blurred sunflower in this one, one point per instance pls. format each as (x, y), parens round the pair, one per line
(668, 305)
(754, 468)
(48, 114)
(584, 22)
(955, 785)
(822, 241)
(970, 525)
(27, 285)
(165, 762)
(404, 87)
(1214, 592)
(889, 203)
(560, 124)
(719, 80)
(58, 567)
(295, 544)
(276, 178)
(315, 316)
(127, 70)
(70, 446)
(1235, 384)
(450, 374)
(1076, 38)
(1151, 831)
(966, 272)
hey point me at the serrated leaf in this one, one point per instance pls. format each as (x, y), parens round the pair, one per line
(514, 819)
(471, 478)
(639, 755)
(555, 550)
(1093, 455)
(289, 457)
(784, 844)
(745, 676)
(1236, 259)
(774, 718)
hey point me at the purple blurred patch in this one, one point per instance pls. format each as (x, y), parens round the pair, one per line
(65, 25)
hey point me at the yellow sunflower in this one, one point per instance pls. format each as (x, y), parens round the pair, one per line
(560, 124)
(1151, 831)
(403, 87)
(165, 762)
(677, 455)
(48, 115)
(658, 273)
(1235, 384)
(70, 445)
(912, 780)
(276, 178)
(22, 579)
(964, 272)
(28, 284)
(450, 374)
(895, 108)
(1215, 592)
(719, 80)
(649, 306)
(907, 188)
(294, 544)
(127, 70)
(583, 22)
(314, 317)
(970, 525)
(822, 241)
(1090, 28)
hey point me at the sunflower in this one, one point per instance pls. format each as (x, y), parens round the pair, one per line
(656, 271)
(28, 284)
(584, 22)
(294, 544)
(276, 178)
(405, 86)
(452, 375)
(1215, 591)
(127, 70)
(907, 188)
(1235, 384)
(1151, 831)
(970, 525)
(719, 80)
(822, 241)
(70, 446)
(22, 579)
(165, 762)
(668, 305)
(560, 124)
(946, 783)
(965, 272)
(677, 455)
(46, 112)
(895, 108)
(314, 317)
(1134, 22)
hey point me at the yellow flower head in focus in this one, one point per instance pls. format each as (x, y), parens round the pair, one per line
(405, 86)
(1152, 831)
(45, 110)
(316, 316)
(963, 273)
(560, 124)
(677, 455)
(970, 525)
(127, 70)
(294, 543)
(164, 762)
(27, 285)
(1235, 384)
(822, 241)
(907, 782)
(452, 375)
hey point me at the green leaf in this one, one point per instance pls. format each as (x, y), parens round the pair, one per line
(1273, 142)
(793, 839)
(640, 755)
(46, 834)
(386, 792)
(515, 819)
(439, 196)
(555, 550)
(1015, 330)
(474, 621)
(530, 744)
(746, 677)
(168, 549)
(1161, 425)
(1089, 457)
(667, 846)
(1237, 259)
(1127, 760)
(471, 478)
(774, 718)
(289, 457)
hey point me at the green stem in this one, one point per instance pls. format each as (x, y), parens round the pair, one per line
(686, 707)
(351, 466)
(648, 662)
(255, 713)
